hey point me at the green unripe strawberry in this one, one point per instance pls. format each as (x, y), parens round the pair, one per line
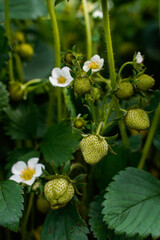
(137, 119)
(18, 37)
(25, 50)
(82, 85)
(125, 90)
(93, 148)
(58, 192)
(79, 123)
(42, 205)
(16, 90)
(145, 82)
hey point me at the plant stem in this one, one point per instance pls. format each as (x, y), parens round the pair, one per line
(55, 35)
(99, 128)
(8, 34)
(149, 138)
(27, 216)
(122, 67)
(19, 68)
(109, 43)
(88, 29)
(112, 69)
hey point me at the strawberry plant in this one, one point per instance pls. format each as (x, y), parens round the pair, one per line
(80, 132)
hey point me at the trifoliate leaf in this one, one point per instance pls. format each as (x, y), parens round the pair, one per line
(59, 143)
(4, 99)
(10, 204)
(98, 227)
(131, 204)
(64, 224)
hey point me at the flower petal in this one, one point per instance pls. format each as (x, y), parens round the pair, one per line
(95, 58)
(53, 81)
(38, 169)
(18, 167)
(29, 182)
(16, 178)
(32, 162)
(101, 62)
(56, 72)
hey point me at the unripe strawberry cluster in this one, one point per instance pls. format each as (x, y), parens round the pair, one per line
(143, 83)
(58, 192)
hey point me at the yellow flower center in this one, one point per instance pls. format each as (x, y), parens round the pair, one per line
(93, 65)
(27, 174)
(61, 80)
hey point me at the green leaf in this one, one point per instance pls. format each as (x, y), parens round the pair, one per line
(26, 9)
(112, 164)
(42, 62)
(22, 122)
(58, 1)
(98, 227)
(10, 204)
(59, 143)
(64, 224)
(131, 204)
(135, 142)
(4, 99)
(4, 48)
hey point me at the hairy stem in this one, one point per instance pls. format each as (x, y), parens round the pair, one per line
(88, 29)
(150, 138)
(8, 34)
(112, 69)
(55, 35)
(123, 66)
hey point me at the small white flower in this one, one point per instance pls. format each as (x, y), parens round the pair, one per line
(139, 58)
(61, 77)
(95, 64)
(97, 14)
(26, 173)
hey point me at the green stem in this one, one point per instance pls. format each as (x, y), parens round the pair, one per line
(99, 128)
(112, 69)
(109, 109)
(19, 68)
(55, 35)
(122, 67)
(27, 216)
(109, 43)
(149, 138)
(92, 107)
(8, 34)
(88, 29)
(107, 81)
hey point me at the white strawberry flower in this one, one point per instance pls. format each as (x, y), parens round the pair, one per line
(95, 64)
(61, 77)
(26, 173)
(97, 14)
(139, 58)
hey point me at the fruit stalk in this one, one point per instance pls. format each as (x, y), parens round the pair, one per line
(150, 138)
(8, 34)
(112, 69)
(55, 34)
(88, 29)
